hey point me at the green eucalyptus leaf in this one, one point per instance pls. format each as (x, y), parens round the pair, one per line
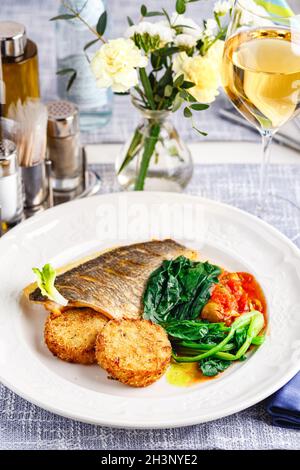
(199, 106)
(179, 81)
(101, 25)
(129, 20)
(177, 103)
(187, 96)
(166, 51)
(150, 14)
(155, 62)
(168, 91)
(71, 81)
(68, 71)
(166, 15)
(186, 84)
(178, 26)
(180, 7)
(143, 10)
(65, 71)
(187, 112)
(66, 16)
(91, 43)
(200, 132)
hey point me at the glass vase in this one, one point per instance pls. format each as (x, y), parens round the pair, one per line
(154, 158)
(95, 104)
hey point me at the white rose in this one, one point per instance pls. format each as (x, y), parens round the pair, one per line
(114, 65)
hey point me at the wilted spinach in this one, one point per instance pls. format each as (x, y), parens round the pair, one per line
(254, 321)
(211, 367)
(178, 290)
(193, 330)
(240, 336)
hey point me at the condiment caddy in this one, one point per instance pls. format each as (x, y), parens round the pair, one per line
(42, 162)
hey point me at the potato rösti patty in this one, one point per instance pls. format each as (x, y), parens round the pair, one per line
(135, 352)
(71, 336)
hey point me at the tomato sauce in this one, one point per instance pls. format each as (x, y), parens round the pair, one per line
(235, 294)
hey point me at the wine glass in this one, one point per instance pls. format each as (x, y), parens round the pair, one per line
(261, 72)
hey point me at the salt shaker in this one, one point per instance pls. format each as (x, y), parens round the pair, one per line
(10, 184)
(64, 148)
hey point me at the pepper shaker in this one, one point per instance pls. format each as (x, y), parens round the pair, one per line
(64, 148)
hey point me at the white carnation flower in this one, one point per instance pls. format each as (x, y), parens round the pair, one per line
(185, 41)
(203, 71)
(114, 65)
(153, 35)
(187, 25)
(210, 29)
(221, 8)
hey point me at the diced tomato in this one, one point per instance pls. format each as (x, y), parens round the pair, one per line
(235, 294)
(243, 303)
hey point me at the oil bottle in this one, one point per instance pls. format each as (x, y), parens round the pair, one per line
(19, 64)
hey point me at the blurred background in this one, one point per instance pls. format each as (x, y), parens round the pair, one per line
(35, 15)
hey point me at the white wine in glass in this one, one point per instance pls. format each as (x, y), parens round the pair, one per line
(261, 73)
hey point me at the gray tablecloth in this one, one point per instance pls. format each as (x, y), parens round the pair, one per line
(25, 426)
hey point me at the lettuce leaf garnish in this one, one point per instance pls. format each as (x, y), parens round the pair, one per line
(45, 281)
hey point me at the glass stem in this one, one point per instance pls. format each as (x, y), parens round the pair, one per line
(267, 137)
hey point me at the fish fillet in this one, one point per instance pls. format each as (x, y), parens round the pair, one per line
(114, 282)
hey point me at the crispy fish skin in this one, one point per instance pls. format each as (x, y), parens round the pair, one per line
(114, 282)
(135, 352)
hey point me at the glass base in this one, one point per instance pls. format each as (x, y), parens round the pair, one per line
(92, 121)
(159, 181)
(66, 184)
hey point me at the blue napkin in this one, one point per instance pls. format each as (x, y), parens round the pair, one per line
(284, 405)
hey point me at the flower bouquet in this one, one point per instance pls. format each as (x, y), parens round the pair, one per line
(167, 62)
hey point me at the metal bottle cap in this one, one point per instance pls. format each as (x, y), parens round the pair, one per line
(63, 119)
(13, 38)
(8, 158)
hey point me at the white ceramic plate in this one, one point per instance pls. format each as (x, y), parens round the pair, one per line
(222, 234)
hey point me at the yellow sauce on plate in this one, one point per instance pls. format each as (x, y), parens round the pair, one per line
(184, 375)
